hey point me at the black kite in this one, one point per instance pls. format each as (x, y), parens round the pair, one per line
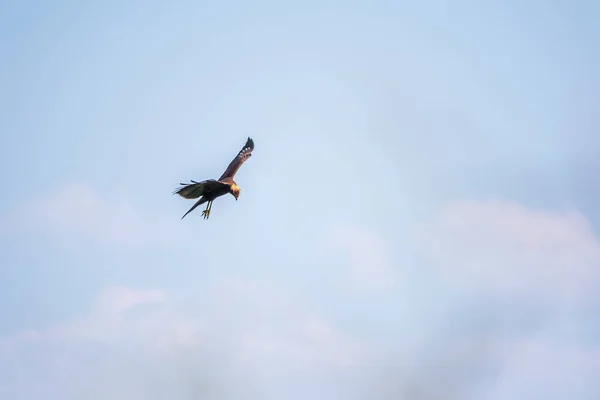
(211, 189)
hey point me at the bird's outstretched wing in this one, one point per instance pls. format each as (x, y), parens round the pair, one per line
(237, 162)
(196, 189)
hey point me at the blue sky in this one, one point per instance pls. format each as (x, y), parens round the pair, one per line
(419, 217)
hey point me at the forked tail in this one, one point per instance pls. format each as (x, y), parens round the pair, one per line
(202, 200)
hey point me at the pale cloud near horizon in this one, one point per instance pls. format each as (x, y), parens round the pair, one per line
(504, 265)
(507, 251)
(258, 338)
(150, 354)
(78, 210)
(236, 339)
(542, 367)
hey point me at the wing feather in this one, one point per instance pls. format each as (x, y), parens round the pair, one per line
(244, 154)
(196, 189)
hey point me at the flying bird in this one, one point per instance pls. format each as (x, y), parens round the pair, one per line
(210, 189)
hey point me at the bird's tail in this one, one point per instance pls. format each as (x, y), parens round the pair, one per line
(202, 200)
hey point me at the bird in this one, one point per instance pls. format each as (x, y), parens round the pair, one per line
(210, 189)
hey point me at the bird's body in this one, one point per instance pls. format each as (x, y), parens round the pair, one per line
(211, 189)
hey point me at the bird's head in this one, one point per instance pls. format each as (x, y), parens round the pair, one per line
(235, 191)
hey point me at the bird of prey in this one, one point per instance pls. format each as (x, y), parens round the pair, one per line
(211, 189)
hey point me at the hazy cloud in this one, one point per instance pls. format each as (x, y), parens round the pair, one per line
(120, 298)
(508, 251)
(134, 344)
(258, 339)
(77, 210)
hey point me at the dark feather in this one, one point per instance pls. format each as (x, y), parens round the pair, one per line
(195, 190)
(244, 154)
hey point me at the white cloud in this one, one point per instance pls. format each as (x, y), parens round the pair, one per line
(120, 298)
(117, 314)
(504, 264)
(369, 256)
(135, 344)
(76, 210)
(511, 252)
(487, 367)
(539, 368)
(274, 326)
(251, 339)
